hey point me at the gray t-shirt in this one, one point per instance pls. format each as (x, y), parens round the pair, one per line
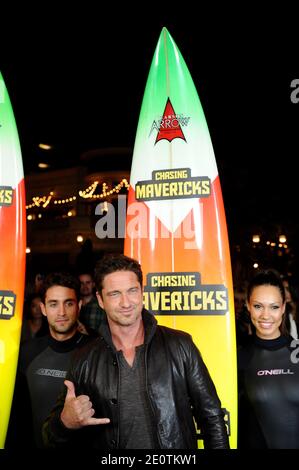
(136, 418)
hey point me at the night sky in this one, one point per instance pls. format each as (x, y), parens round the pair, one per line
(77, 79)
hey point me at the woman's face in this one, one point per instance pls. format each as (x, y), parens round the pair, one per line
(266, 308)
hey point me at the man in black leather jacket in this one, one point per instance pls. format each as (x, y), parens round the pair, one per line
(139, 385)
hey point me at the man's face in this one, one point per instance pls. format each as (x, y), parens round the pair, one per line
(287, 291)
(121, 298)
(35, 309)
(61, 308)
(86, 285)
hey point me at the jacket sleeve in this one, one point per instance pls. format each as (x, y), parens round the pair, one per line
(205, 401)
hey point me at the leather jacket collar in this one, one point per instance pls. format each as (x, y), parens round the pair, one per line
(150, 325)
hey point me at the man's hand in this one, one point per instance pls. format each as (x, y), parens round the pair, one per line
(78, 411)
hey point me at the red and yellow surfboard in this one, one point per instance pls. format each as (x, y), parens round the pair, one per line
(12, 249)
(176, 225)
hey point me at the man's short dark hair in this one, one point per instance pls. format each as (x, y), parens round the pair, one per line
(61, 279)
(111, 263)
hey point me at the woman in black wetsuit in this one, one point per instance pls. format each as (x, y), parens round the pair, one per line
(268, 371)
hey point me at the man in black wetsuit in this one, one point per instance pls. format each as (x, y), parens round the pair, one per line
(43, 362)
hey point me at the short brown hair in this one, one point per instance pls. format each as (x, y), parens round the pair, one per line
(111, 263)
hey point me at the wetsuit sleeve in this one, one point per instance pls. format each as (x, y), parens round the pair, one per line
(55, 434)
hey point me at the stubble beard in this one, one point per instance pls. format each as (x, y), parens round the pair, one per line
(64, 330)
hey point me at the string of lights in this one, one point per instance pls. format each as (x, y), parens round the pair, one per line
(88, 193)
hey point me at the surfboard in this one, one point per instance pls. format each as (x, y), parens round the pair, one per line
(12, 249)
(176, 225)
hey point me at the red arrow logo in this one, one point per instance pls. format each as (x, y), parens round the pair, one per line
(170, 127)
